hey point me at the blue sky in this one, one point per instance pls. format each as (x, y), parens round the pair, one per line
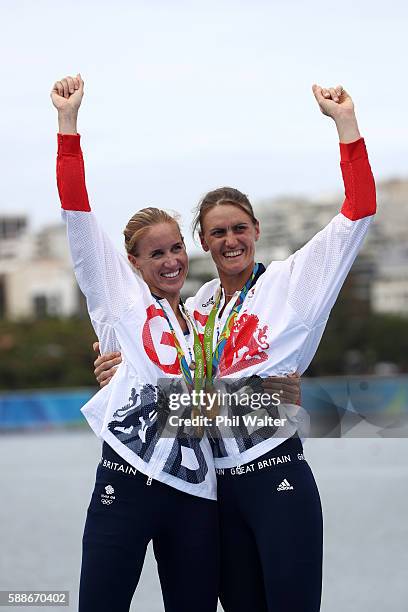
(182, 97)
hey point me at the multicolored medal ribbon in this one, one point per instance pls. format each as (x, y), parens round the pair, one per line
(199, 363)
(213, 357)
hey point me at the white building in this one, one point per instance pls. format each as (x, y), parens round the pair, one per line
(390, 295)
(36, 277)
(389, 290)
(288, 223)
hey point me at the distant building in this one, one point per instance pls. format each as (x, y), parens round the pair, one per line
(380, 273)
(390, 295)
(288, 223)
(201, 270)
(36, 277)
(389, 289)
(14, 241)
(12, 227)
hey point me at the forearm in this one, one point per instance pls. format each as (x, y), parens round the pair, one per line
(71, 173)
(347, 127)
(359, 185)
(67, 122)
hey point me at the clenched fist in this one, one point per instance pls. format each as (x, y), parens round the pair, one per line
(66, 94)
(336, 103)
(333, 101)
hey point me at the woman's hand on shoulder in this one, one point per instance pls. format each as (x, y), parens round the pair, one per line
(105, 366)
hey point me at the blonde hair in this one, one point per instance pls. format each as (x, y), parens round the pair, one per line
(140, 223)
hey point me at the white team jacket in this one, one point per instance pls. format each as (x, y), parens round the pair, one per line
(277, 331)
(124, 314)
(281, 322)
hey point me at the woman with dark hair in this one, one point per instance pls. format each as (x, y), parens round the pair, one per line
(270, 515)
(257, 322)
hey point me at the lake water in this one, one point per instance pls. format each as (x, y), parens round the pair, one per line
(46, 480)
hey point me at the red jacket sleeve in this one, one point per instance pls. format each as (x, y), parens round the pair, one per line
(360, 200)
(71, 173)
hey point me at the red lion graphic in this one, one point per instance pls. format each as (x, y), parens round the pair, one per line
(245, 346)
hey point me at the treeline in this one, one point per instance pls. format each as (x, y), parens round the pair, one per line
(46, 353)
(359, 345)
(358, 341)
(53, 353)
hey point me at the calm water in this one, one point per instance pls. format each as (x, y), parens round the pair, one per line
(46, 481)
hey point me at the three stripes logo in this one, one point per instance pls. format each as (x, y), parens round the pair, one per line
(284, 486)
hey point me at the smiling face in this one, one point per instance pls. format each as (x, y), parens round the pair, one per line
(229, 233)
(162, 259)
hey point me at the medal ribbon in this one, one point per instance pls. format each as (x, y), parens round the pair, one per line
(198, 353)
(213, 358)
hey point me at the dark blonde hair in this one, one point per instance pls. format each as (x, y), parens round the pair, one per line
(139, 224)
(219, 197)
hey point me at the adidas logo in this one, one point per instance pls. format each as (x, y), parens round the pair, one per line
(284, 486)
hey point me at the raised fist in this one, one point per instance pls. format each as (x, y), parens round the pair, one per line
(334, 101)
(66, 94)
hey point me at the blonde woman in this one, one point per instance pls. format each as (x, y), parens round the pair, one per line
(148, 487)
